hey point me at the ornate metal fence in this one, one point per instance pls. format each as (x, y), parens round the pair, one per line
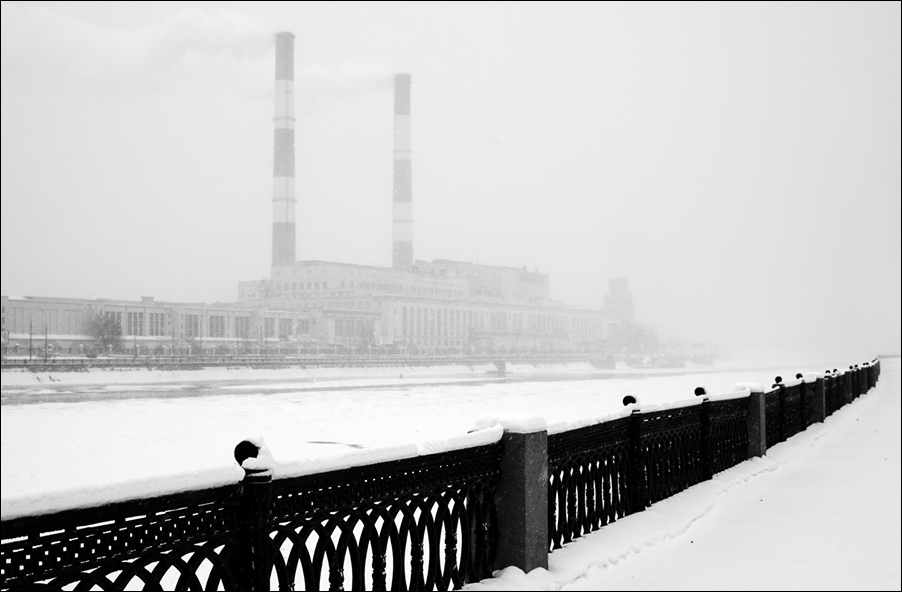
(428, 522)
(183, 541)
(774, 404)
(670, 449)
(601, 473)
(423, 523)
(729, 433)
(834, 393)
(792, 410)
(588, 471)
(418, 524)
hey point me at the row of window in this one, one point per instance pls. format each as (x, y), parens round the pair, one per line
(418, 321)
(283, 287)
(38, 320)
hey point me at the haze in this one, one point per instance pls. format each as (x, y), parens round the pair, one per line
(738, 163)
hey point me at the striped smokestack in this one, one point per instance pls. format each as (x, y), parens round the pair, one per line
(283, 233)
(402, 230)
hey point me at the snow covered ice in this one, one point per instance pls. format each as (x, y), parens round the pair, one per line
(806, 535)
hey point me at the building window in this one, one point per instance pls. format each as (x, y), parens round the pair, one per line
(135, 323)
(192, 326)
(269, 328)
(284, 329)
(217, 326)
(155, 324)
(242, 327)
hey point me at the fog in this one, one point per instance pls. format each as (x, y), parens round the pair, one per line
(738, 163)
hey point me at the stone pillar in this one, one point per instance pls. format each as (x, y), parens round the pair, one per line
(849, 386)
(820, 401)
(707, 447)
(522, 501)
(638, 494)
(756, 424)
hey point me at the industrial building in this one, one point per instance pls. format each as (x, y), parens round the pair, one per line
(414, 306)
(443, 305)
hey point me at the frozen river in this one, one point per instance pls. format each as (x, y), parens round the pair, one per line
(59, 436)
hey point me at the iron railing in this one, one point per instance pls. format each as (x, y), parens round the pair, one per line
(603, 472)
(420, 523)
(428, 522)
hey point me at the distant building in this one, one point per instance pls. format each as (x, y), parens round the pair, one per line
(618, 302)
(440, 305)
(413, 306)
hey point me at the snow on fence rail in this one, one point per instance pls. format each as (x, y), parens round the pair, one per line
(430, 521)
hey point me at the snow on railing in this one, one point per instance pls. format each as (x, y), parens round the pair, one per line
(431, 516)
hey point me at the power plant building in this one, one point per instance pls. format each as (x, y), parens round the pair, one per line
(412, 306)
(443, 304)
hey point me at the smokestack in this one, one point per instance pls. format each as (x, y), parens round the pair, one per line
(283, 233)
(402, 230)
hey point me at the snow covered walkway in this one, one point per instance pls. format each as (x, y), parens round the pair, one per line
(822, 511)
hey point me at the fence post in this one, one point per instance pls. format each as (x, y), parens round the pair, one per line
(820, 400)
(781, 408)
(522, 500)
(639, 495)
(803, 393)
(707, 452)
(756, 424)
(254, 510)
(847, 383)
(863, 379)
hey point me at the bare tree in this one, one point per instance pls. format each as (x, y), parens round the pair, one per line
(106, 330)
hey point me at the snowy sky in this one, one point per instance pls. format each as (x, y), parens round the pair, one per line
(737, 162)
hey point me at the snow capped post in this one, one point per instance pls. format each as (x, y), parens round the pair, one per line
(781, 409)
(820, 400)
(848, 386)
(862, 379)
(402, 228)
(254, 510)
(755, 419)
(522, 495)
(638, 496)
(707, 438)
(283, 232)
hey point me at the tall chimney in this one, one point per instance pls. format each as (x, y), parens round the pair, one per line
(283, 233)
(402, 229)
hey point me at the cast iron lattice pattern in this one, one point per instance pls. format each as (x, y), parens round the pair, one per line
(834, 394)
(181, 541)
(729, 433)
(588, 470)
(773, 417)
(792, 411)
(806, 395)
(416, 524)
(671, 451)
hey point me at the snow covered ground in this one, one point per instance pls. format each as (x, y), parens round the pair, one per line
(824, 502)
(822, 511)
(133, 433)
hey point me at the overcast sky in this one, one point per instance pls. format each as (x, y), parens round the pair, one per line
(737, 162)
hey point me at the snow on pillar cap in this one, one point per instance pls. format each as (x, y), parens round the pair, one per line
(518, 423)
(253, 455)
(752, 387)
